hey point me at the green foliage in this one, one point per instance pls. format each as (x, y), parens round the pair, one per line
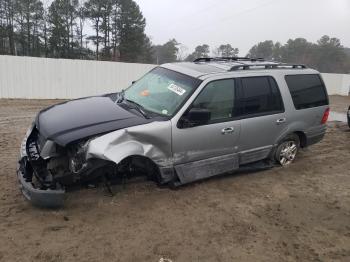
(20, 27)
(226, 51)
(132, 39)
(28, 28)
(262, 50)
(200, 51)
(62, 17)
(94, 13)
(331, 56)
(166, 53)
(327, 55)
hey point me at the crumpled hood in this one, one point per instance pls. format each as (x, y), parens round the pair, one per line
(76, 119)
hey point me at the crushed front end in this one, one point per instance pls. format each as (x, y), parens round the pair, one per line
(88, 140)
(46, 168)
(33, 176)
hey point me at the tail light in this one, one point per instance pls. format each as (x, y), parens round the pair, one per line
(325, 116)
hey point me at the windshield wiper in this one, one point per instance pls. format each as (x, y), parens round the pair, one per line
(121, 97)
(138, 107)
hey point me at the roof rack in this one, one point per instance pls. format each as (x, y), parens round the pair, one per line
(267, 66)
(234, 58)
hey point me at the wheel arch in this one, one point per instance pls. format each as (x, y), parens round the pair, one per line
(124, 151)
(302, 138)
(151, 167)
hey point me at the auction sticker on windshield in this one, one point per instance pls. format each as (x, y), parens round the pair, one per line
(176, 89)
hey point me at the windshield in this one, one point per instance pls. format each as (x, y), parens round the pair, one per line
(161, 91)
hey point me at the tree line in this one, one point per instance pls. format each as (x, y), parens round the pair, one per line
(29, 28)
(57, 29)
(326, 55)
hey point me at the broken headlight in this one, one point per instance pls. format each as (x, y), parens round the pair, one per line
(77, 158)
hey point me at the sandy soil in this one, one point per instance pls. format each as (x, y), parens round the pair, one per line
(339, 103)
(298, 213)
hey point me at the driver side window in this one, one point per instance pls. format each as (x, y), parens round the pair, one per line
(218, 98)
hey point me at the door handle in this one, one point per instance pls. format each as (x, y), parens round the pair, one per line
(227, 130)
(281, 121)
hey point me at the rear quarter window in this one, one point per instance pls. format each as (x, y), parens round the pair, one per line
(307, 91)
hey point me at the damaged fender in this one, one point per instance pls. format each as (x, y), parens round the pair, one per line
(150, 140)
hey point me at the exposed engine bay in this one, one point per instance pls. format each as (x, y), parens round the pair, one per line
(48, 169)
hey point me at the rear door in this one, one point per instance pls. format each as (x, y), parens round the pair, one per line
(263, 117)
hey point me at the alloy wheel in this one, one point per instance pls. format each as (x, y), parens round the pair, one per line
(288, 152)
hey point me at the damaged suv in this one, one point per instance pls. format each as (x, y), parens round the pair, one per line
(179, 123)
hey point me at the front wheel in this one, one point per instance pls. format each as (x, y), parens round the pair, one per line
(287, 150)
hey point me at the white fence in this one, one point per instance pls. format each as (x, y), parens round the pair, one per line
(43, 78)
(337, 84)
(29, 77)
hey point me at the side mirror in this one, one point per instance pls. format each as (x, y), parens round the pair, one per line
(133, 82)
(198, 116)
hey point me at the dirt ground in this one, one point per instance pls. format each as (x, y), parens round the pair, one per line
(339, 104)
(298, 213)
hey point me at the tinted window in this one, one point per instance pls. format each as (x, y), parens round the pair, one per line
(307, 91)
(218, 98)
(260, 95)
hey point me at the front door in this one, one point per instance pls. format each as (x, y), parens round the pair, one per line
(208, 149)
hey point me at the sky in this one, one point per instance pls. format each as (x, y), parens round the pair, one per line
(243, 23)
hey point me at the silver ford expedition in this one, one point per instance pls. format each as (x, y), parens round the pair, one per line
(179, 123)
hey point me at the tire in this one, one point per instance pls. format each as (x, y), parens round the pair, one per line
(287, 150)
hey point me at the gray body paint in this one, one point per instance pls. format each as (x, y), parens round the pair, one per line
(150, 140)
(202, 151)
(105, 131)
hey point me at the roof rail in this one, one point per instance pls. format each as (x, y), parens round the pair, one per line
(234, 58)
(267, 66)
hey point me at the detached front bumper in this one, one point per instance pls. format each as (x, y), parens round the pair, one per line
(39, 197)
(42, 198)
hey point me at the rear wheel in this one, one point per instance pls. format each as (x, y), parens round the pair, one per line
(287, 150)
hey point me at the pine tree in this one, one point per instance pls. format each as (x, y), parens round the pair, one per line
(94, 13)
(62, 17)
(28, 17)
(133, 42)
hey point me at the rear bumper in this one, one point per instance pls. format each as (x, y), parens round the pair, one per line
(314, 139)
(316, 135)
(38, 197)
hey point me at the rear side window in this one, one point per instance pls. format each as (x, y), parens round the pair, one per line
(259, 96)
(307, 91)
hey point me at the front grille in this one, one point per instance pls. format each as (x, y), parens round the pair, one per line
(40, 141)
(33, 150)
(34, 143)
